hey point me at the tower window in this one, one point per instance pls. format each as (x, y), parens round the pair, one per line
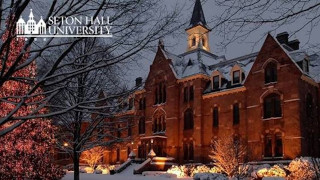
(272, 106)
(236, 77)
(193, 42)
(271, 73)
(188, 119)
(203, 42)
(216, 82)
(236, 114)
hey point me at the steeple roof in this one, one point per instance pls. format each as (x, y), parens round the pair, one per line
(198, 15)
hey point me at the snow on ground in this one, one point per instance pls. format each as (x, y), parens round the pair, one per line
(124, 176)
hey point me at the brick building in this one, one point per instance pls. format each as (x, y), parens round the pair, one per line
(270, 99)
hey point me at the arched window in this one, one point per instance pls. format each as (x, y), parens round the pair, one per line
(203, 42)
(160, 93)
(142, 126)
(188, 119)
(272, 106)
(309, 105)
(159, 124)
(270, 73)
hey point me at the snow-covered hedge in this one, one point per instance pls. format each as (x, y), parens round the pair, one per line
(191, 170)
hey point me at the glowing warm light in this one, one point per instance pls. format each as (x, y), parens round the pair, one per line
(65, 144)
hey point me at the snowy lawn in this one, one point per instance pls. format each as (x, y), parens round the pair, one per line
(85, 176)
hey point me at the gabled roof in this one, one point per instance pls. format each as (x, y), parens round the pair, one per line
(197, 16)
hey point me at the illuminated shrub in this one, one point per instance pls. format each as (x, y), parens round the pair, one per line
(301, 169)
(180, 171)
(204, 169)
(275, 171)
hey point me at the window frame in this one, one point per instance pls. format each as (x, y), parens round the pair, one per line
(271, 73)
(233, 77)
(272, 107)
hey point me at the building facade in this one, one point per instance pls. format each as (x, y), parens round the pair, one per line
(269, 99)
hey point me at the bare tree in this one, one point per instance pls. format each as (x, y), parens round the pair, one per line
(228, 154)
(136, 24)
(240, 19)
(98, 95)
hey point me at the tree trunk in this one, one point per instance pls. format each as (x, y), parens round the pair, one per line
(76, 160)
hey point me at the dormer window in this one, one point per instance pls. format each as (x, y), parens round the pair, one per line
(216, 82)
(270, 73)
(193, 41)
(236, 77)
(305, 65)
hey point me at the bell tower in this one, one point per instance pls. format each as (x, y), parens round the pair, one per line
(198, 31)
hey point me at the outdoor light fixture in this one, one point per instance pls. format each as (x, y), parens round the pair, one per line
(65, 144)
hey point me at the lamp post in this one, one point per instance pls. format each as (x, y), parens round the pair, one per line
(132, 155)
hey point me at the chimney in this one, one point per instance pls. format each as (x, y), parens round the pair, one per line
(138, 81)
(294, 44)
(283, 38)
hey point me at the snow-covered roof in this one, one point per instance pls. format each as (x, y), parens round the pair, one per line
(314, 68)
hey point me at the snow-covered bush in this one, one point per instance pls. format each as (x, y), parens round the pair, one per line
(180, 171)
(301, 169)
(275, 171)
(203, 169)
(209, 176)
(101, 169)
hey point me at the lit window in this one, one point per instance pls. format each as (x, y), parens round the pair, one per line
(236, 77)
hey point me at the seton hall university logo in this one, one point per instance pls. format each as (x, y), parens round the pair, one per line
(31, 27)
(82, 26)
